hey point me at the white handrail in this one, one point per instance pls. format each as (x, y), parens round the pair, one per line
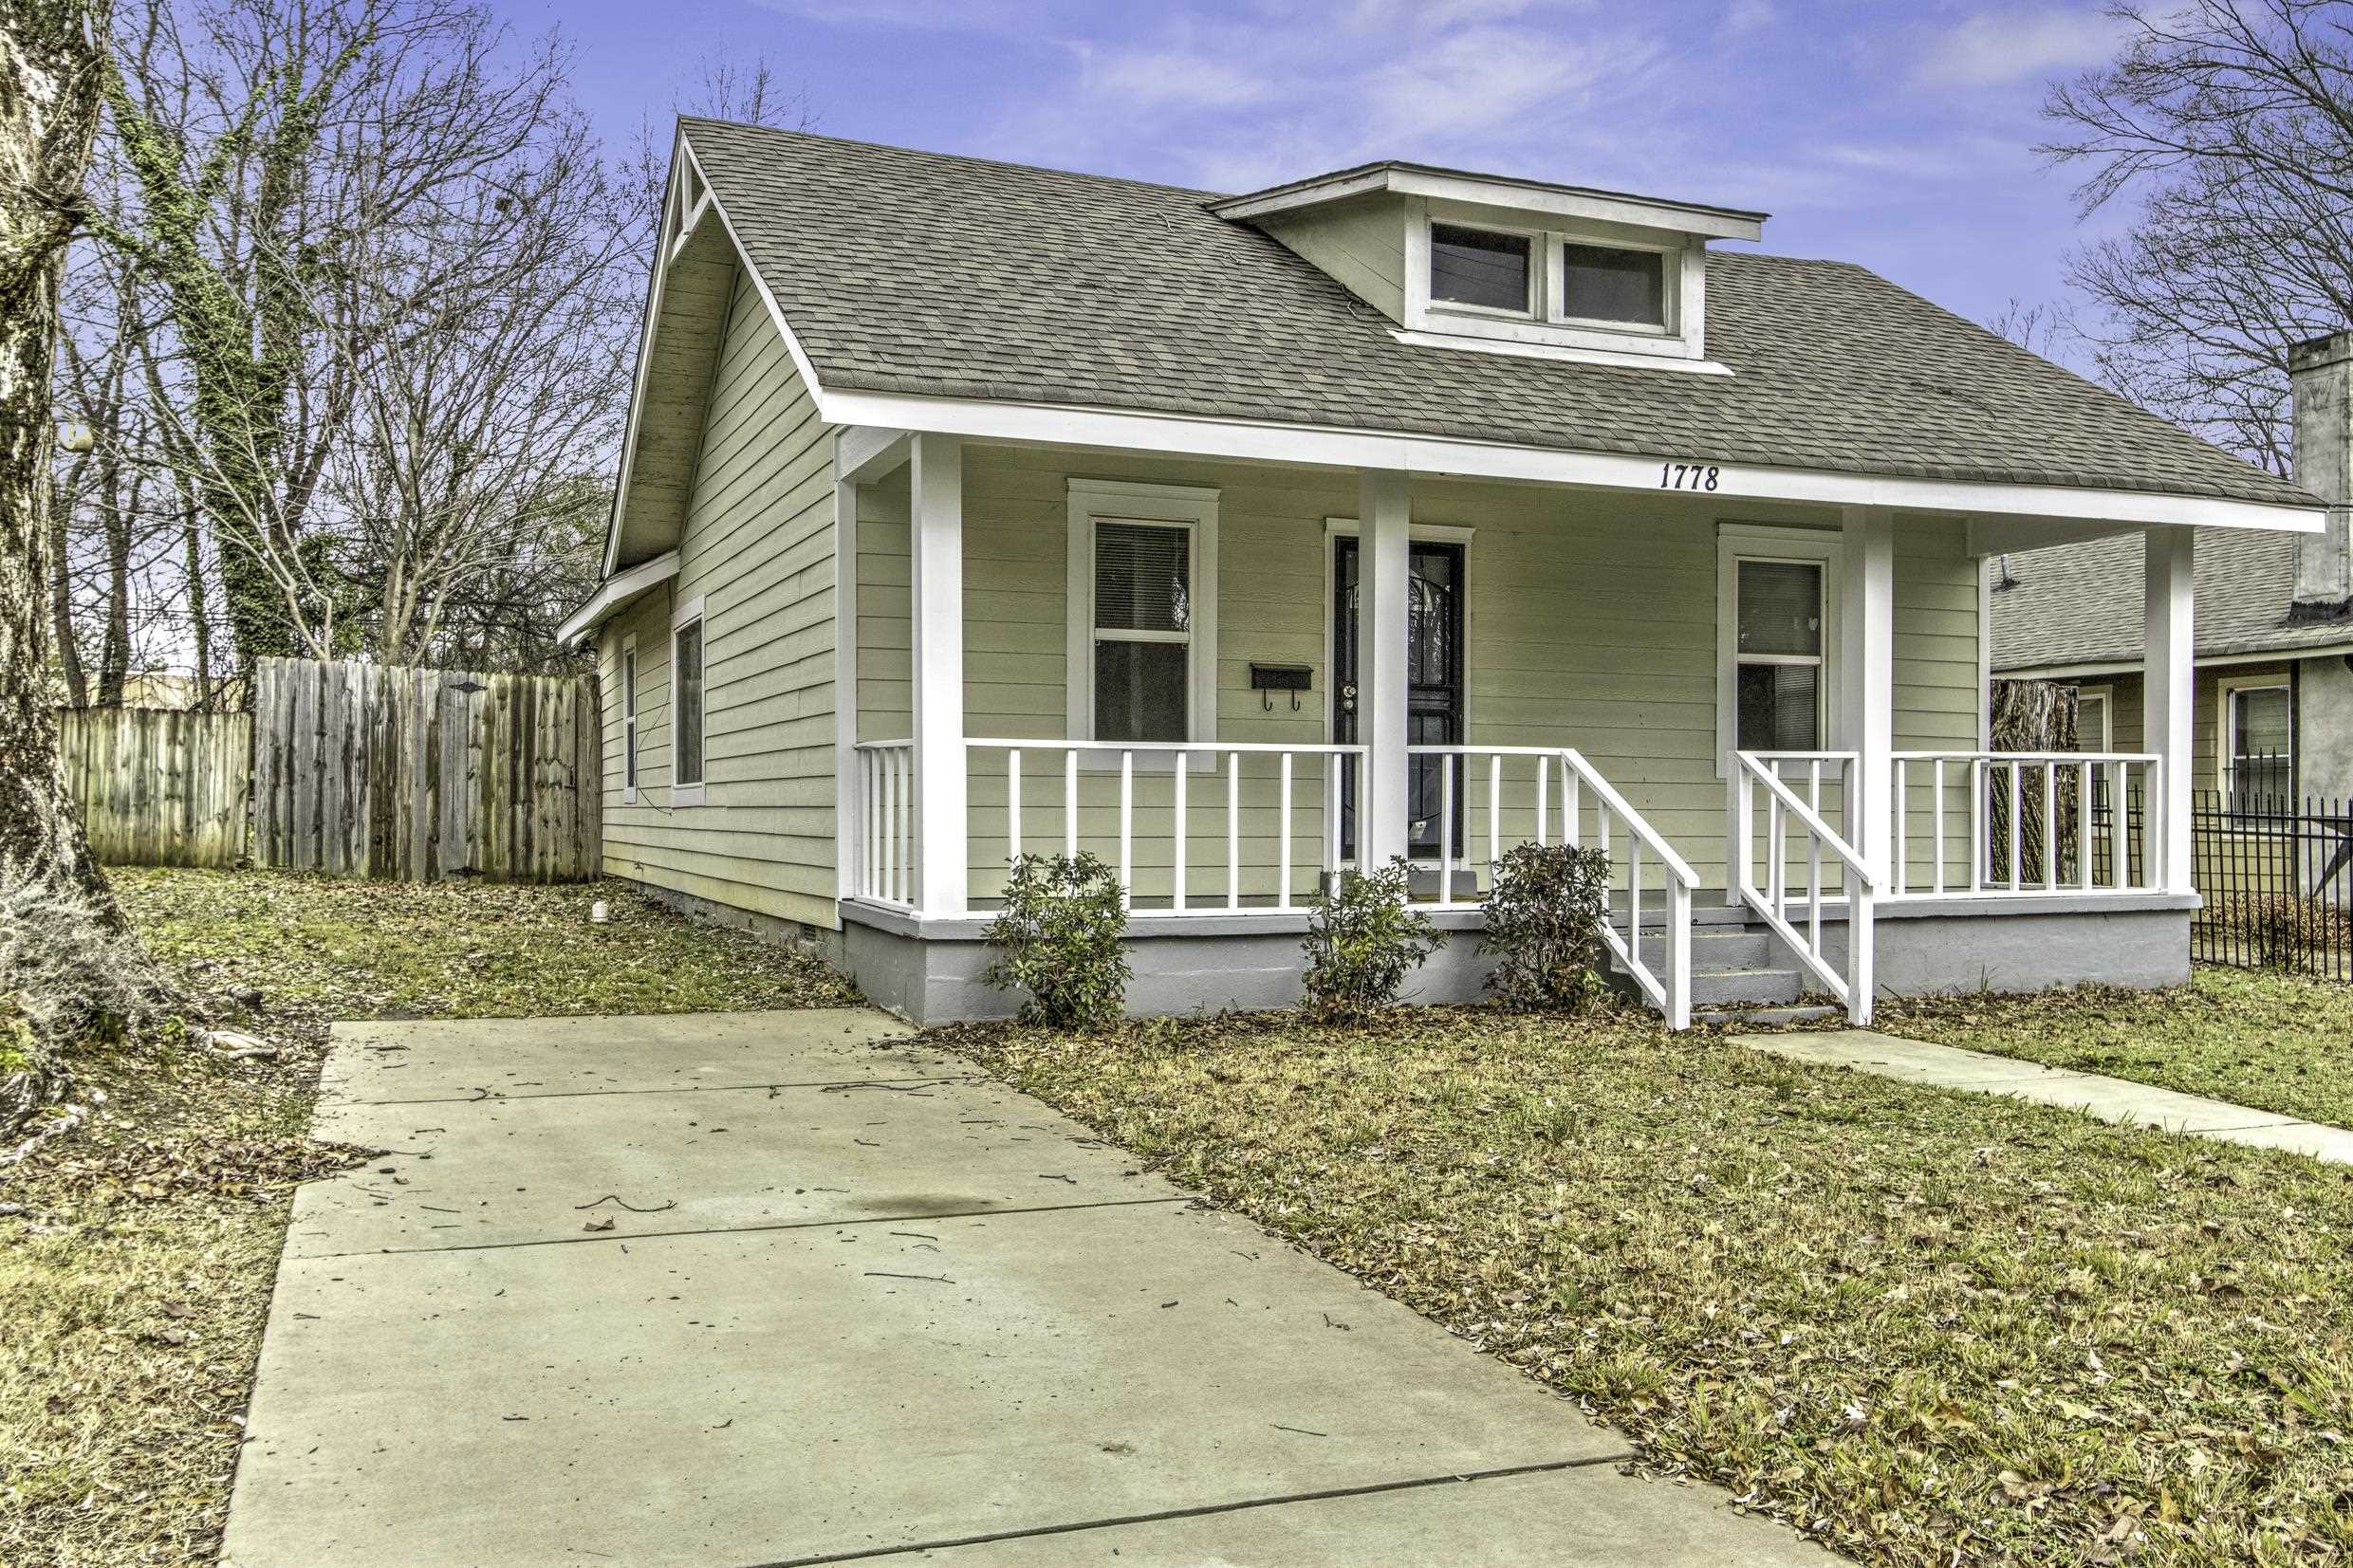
(1749, 771)
(1670, 990)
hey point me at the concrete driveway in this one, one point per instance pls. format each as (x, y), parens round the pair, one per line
(785, 1288)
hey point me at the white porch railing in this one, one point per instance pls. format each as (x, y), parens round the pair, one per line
(1767, 775)
(1519, 785)
(1978, 823)
(1284, 801)
(885, 865)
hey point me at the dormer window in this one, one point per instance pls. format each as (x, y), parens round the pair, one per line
(1604, 283)
(1480, 269)
(1462, 260)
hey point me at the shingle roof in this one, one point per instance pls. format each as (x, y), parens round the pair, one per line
(2078, 604)
(904, 271)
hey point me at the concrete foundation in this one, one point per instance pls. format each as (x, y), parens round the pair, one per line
(929, 972)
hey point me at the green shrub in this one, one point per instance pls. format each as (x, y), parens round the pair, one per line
(1363, 940)
(1060, 936)
(1543, 927)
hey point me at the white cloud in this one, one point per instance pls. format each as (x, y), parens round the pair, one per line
(1994, 48)
(1747, 16)
(1231, 100)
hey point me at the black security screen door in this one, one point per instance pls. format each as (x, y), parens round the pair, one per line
(1434, 683)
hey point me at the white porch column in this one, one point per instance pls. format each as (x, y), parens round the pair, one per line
(1385, 525)
(2167, 682)
(849, 807)
(1867, 679)
(936, 563)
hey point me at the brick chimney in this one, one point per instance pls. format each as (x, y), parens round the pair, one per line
(2320, 376)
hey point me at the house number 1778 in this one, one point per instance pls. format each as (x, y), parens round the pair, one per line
(1686, 476)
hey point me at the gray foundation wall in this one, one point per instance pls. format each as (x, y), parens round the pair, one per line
(1213, 965)
(1247, 962)
(2009, 950)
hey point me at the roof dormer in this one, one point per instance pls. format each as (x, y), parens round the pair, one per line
(1477, 261)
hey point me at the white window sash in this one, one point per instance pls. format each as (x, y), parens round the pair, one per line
(2228, 690)
(629, 719)
(1095, 502)
(1741, 543)
(690, 615)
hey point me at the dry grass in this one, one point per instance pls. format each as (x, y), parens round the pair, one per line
(1937, 1330)
(2275, 1042)
(136, 1255)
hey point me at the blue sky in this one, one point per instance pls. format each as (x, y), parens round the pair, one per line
(1896, 135)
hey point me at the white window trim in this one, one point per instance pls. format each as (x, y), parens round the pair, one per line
(683, 616)
(1681, 341)
(2226, 726)
(1531, 306)
(1419, 533)
(2107, 695)
(1670, 287)
(627, 669)
(1191, 506)
(1739, 542)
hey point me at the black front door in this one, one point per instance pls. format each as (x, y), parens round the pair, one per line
(1433, 685)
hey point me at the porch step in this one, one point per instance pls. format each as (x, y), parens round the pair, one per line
(1743, 988)
(1716, 947)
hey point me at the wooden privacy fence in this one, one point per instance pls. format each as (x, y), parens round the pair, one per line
(356, 770)
(160, 787)
(419, 774)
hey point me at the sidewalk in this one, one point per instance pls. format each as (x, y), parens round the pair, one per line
(2112, 1099)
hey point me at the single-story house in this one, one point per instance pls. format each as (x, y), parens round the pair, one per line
(2273, 711)
(968, 510)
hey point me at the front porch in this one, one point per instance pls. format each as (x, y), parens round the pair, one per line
(1903, 857)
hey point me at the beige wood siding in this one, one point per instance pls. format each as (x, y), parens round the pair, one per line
(758, 550)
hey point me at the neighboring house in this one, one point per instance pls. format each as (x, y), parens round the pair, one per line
(968, 510)
(2273, 706)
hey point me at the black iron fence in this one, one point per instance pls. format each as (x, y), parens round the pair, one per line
(2277, 877)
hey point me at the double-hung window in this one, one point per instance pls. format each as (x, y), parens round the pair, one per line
(629, 719)
(1778, 633)
(1143, 631)
(2258, 740)
(1780, 655)
(687, 659)
(1142, 580)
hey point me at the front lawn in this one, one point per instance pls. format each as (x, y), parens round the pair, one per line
(2275, 1042)
(1937, 1329)
(136, 1255)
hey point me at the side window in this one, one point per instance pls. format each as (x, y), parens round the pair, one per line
(2261, 746)
(686, 685)
(629, 719)
(2094, 727)
(1778, 661)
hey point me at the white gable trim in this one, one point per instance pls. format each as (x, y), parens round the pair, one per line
(775, 312)
(1120, 430)
(613, 593)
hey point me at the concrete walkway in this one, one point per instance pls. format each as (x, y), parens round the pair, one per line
(781, 1289)
(2113, 1099)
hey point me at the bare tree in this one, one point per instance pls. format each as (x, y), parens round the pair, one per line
(2231, 124)
(286, 172)
(51, 890)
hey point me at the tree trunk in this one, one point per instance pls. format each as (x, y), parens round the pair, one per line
(60, 610)
(51, 60)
